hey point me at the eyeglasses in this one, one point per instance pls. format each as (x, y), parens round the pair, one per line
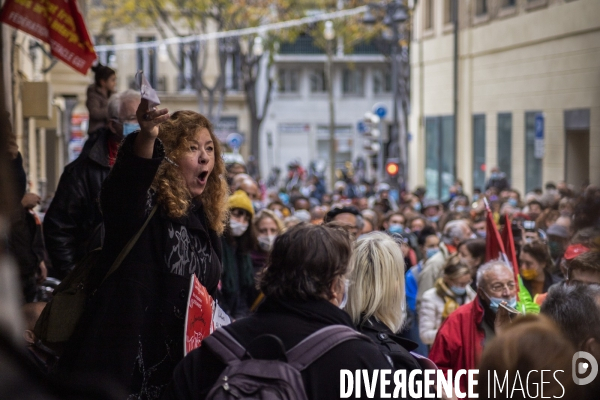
(499, 287)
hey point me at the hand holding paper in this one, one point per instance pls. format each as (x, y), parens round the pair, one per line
(146, 90)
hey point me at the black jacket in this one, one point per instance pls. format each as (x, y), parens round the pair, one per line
(133, 327)
(291, 321)
(72, 220)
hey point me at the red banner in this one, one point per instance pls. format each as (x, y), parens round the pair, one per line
(57, 22)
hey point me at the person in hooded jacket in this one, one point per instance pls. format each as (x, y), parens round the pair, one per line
(238, 240)
(171, 174)
(98, 94)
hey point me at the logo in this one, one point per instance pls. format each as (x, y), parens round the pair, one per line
(581, 368)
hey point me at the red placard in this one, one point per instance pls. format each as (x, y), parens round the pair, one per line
(198, 317)
(57, 22)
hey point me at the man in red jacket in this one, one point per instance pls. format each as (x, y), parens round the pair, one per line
(461, 338)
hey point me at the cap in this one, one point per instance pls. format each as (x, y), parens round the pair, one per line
(430, 203)
(383, 187)
(334, 212)
(240, 199)
(558, 230)
(575, 250)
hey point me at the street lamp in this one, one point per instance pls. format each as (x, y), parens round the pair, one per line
(329, 35)
(395, 14)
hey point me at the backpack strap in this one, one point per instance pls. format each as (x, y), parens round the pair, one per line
(225, 346)
(313, 347)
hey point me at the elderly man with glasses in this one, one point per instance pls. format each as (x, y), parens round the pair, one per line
(462, 337)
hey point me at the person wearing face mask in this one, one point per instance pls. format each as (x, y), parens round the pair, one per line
(472, 254)
(535, 266)
(267, 227)
(558, 240)
(237, 280)
(305, 285)
(451, 291)
(72, 224)
(394, 222)
(462, 338)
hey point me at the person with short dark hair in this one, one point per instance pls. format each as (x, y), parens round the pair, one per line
(305, 284)
(575, 308)
(98, 93)
(348, 216)
(585, 268)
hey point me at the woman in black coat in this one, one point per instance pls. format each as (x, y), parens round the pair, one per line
(376, 297)
(133, 326)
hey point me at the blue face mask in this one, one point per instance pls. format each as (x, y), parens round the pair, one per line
(435, 218)
(461, 208)
(513, 202)
(495, 302)
(460, 291)
(475, 197)
(482, 233)
(417, 207)
(345, 297)
(431, 252)
(129, 128)
(396, 228)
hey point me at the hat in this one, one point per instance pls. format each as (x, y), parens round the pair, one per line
(575, 250)
(400, 237)
(240, 199)
(334, 212)
(383, 187)
(558, 230)
(430, 203)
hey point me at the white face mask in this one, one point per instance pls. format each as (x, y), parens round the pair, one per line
(266, 242)
(237, 228)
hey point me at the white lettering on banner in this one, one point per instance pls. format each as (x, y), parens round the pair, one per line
(444, 382)
(28, 24)
(412, 385)
(357, 382)
(459, 394)
(429, 382)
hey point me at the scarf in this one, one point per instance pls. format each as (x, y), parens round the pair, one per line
(450, 298)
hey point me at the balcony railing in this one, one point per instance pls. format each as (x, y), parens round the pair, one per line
(302, 45)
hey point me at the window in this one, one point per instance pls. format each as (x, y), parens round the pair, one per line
(353, 82)
(509, 3)
(105, 57)
(479, 151)
(289, 80)
(188, 53)
(504, 142)
(440, 163)
(428, 14)
(318, 81)
(382, 81)
(481, 7)
(146, 60)
(533, 165)
(449, 8)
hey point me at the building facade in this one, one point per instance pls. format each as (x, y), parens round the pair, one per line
(528, 93)
(296, 125)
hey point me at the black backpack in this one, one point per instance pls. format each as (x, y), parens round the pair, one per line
(277, 377)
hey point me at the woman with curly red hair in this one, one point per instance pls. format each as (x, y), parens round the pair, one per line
(170, 174)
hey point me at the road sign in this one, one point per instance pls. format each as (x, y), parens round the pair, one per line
(380, 110)
(539, 136)
(361, 127)
(235, 140)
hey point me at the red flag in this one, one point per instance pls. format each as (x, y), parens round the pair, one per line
(494, 248)
(509, 246)
(57, 22)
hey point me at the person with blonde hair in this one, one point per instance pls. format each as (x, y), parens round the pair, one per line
(167, 182)
(451, 291)
(376, 299)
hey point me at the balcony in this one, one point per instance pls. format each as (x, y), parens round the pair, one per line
(303, 45)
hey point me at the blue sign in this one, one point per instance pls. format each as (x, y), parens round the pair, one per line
(379, 110)
(361, 127)
(539, 148)
(235, 140)
(539, 126)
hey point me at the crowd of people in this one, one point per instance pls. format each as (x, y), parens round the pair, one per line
(290, 259)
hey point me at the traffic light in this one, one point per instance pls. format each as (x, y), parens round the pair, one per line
(392, 167)
(371, 134)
